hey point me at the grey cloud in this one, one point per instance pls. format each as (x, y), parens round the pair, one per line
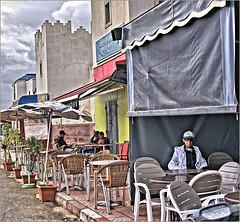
(78, 12)
(42, 9)
(18, 27)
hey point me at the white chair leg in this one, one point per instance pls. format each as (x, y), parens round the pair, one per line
(72, 181)
(107, 200)
(136, 204)
(87, 181)
(66, 180)
(123, 198)
(81, 180)
(77, 179)
(163, 204)
(54, 174)
(67, 185)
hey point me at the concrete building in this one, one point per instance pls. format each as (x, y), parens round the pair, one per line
(26, 85)
(64, 63)
(63, 58)
(111, 108)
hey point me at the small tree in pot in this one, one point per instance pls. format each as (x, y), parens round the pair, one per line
(11, 138)
(35, 147)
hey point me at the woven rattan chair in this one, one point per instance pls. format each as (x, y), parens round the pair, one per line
(104, 155)
(74, 164)
(217, 159)
(55, 161)
(116, 177)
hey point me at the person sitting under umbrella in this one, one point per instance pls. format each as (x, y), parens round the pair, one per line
(60, 142)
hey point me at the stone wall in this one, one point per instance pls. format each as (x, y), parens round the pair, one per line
(75, 133)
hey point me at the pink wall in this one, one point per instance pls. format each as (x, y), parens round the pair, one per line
(108, 68)
(75, 133)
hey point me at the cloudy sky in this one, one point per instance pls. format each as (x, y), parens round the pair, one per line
(20, 20)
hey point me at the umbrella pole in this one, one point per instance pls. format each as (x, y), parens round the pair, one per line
(16, 154)
(45, 169)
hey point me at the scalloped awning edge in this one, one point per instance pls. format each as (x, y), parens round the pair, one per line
(182, 23)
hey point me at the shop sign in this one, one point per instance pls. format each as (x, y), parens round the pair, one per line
(106, 47)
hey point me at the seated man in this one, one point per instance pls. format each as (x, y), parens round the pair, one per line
(95, 138)
(59, 140)
(187, 156)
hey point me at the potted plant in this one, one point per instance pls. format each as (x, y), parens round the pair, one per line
(47, 192)
(17, 171)
(10, 137)
(35, 147)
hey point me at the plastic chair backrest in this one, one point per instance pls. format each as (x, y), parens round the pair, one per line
(217, 159)
(147, 171)
(183, 196)
(145, 159)
(207, 183)
(124, 151)
(230, 175)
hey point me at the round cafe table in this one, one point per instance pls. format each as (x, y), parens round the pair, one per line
(232, 198)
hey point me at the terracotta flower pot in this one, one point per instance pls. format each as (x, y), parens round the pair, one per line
(25, 178)
(47, 192)
(8, 166)
(17, 172)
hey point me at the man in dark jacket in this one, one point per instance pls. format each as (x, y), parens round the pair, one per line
(59, 141)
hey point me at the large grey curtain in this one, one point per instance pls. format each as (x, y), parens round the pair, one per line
(190, 70)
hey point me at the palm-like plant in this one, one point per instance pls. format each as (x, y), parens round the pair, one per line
(11, 138)
(35, 146)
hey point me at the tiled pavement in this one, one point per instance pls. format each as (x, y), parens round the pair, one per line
(118, 213)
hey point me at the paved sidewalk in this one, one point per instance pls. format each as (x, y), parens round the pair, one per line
(77, 204)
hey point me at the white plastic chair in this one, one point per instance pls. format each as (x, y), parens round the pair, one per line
(142, 176)
(217, 159)
(206, 183)
(184, 199)
(230, 177)
(145, 159)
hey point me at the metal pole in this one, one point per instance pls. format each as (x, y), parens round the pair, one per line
(16, 157)
(45, 167)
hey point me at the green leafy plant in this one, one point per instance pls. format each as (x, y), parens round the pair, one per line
(11, 138)
(35, 146)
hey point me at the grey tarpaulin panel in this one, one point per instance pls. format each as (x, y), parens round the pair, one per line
(157, 136)
(165, 16)
(120, 74)
(191, 67)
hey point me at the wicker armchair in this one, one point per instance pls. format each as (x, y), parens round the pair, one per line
(116, 177)
(55, 159)
(104, 155)
(74, 164)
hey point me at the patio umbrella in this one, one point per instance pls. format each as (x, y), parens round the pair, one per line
(59, 109)
(16, 113)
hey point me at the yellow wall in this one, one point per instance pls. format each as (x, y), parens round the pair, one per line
(122, 107)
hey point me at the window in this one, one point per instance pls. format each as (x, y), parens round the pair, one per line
(41, 68)
(107, 14)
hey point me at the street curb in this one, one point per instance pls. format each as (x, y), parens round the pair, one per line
(78, 209)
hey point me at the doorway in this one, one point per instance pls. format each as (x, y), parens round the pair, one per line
(112, 124)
